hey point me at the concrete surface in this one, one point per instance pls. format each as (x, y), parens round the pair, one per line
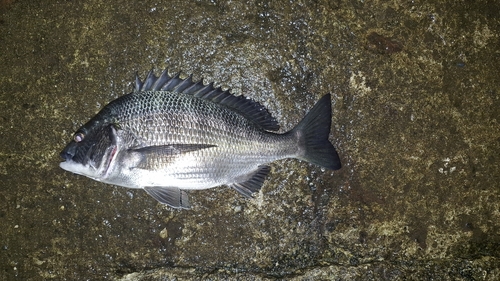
(416, 101)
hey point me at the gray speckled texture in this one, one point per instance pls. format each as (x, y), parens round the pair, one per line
(416, 102)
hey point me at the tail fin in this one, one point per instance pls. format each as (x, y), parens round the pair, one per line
(312, 133)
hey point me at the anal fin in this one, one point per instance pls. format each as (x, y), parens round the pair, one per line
(171, 196)
(252, 182)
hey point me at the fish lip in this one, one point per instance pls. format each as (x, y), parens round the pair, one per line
(80, 169)
(73, 167)
(65, 156)
(63, 165)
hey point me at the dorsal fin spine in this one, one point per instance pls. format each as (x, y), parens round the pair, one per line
(138, 83)
(150, 79)
(161, 80)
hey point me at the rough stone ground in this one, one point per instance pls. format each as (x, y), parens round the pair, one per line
(416, 101)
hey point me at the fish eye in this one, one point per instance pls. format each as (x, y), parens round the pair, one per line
(79, 137)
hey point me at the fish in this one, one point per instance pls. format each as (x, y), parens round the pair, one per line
(172, 134)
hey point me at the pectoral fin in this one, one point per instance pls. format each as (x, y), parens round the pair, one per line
(160, 156)
(251, 182)
(171, 196)
(172, 149)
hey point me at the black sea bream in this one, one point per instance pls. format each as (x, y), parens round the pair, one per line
(173, 134)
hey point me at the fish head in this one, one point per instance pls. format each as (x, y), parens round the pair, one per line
(91, 151)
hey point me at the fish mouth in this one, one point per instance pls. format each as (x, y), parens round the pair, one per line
(84, 165)
(71, 165)
(73, 162)
(77, 168)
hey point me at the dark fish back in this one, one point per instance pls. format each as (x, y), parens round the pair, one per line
(250, 109)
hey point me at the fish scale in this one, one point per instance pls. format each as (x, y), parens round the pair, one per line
(171, 135)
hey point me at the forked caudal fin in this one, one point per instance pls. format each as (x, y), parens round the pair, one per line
(312, 133)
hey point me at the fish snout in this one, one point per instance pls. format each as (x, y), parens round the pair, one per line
(69, 152)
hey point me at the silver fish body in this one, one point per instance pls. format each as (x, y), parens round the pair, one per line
(173, 134)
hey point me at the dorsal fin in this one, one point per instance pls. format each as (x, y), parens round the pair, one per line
(250, 109)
